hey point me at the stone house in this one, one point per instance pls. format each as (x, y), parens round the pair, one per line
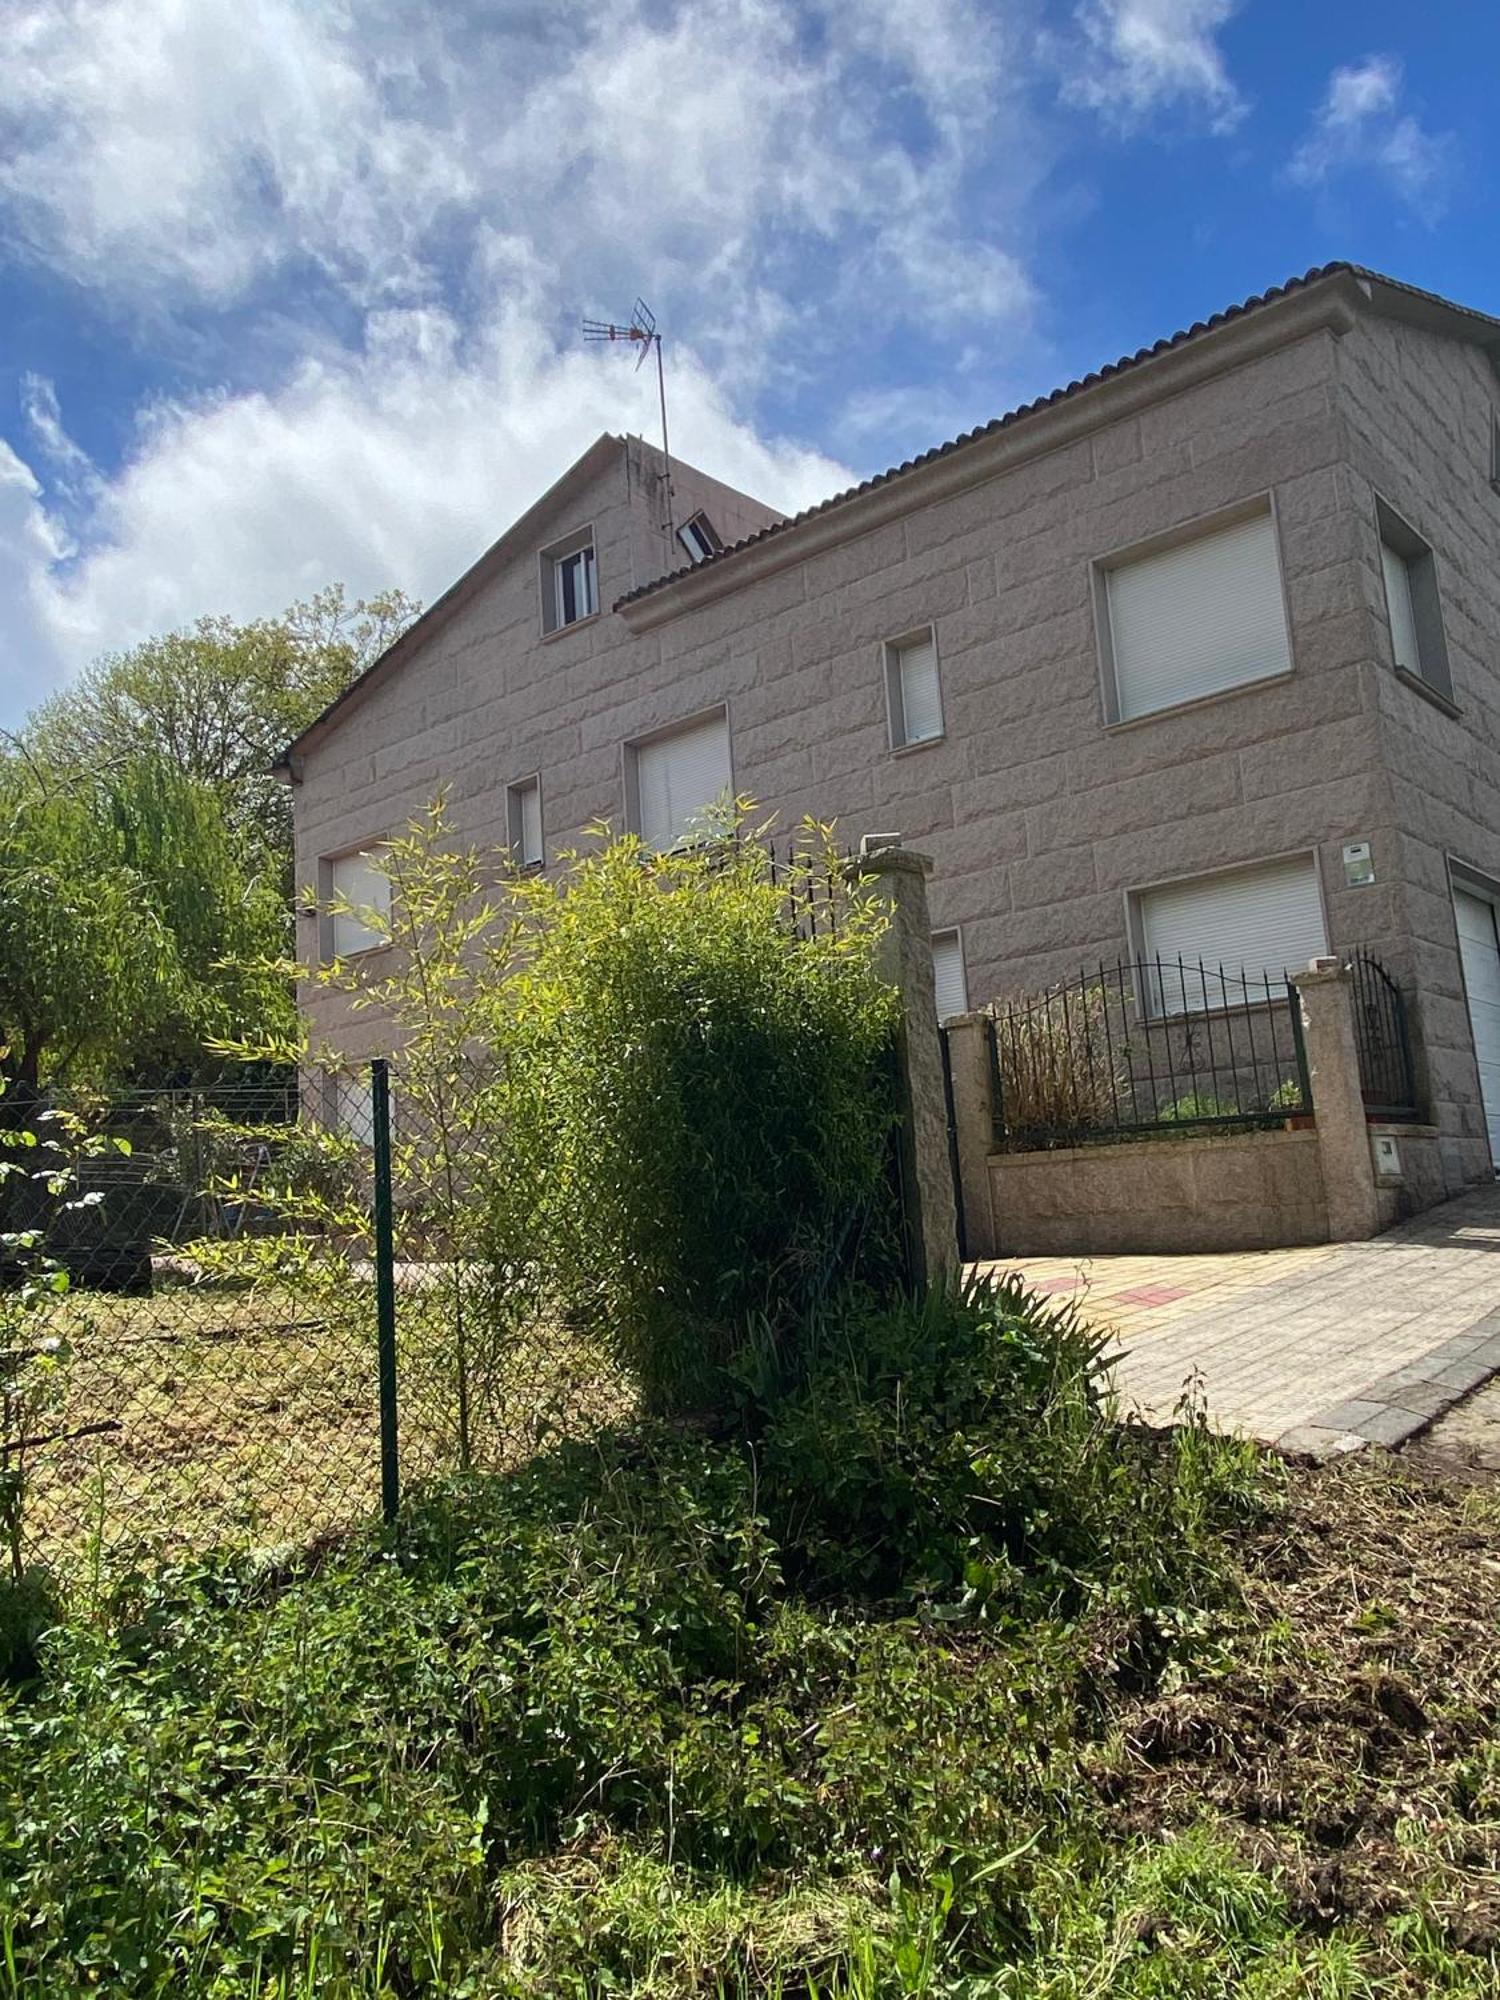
(1198, 654)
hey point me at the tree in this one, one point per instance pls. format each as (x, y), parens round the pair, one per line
(131, 925)
(218, 704)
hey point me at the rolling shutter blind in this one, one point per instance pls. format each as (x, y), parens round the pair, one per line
(1198, 618)
(1404, 644)
(948, 974)
(921, 703)
(679, 777)
(1255, 923)
(357, 880)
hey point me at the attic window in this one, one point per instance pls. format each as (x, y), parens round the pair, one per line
(700, 538)
(570, 582)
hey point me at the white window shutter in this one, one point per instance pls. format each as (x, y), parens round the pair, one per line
(921, 701)
(1253, 924)
(357, 881)
(679, 778)
(948, 974)
(1404, 644)
(1197, 618)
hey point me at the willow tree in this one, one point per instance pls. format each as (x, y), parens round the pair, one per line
(219, 701)
(132, 927)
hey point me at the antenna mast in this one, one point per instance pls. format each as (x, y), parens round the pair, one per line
(642, 331)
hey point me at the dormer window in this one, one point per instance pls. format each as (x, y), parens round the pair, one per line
(570, 582)
(700, 538)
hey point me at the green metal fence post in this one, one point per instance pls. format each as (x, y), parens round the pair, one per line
(385, 1286)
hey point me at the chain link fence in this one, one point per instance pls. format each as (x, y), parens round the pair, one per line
(242, 1314)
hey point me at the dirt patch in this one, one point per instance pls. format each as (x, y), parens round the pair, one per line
(1466, 1440)
(1346, 1734)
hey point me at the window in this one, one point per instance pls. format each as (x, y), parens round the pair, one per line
(948, 974)
(523, 813)
(1495, 452)
(678, 777)
(1194, 619)
(700, 538)
(348, 1109)
(1418, 647)
(1254, 924)
(355, 880)
(911, 686)
(570, 582)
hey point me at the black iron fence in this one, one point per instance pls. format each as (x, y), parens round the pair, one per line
(1147, 1046)
(1387, 1071)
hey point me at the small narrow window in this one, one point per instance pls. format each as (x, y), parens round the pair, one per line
(949, 977)
(360, 892)
(1398, 600)
(347, 1107)
(1495, 452)
(570, 583)
(1418, 647)
(911, 675)
(700, 538)
(524, 817)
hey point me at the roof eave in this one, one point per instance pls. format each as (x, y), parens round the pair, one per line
(1328, 305)
(587, 465)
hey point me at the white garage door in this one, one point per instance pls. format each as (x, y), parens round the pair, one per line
(1479, 947)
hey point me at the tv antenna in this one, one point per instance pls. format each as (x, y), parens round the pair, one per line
(641, 331)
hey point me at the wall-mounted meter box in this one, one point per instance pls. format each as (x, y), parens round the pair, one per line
(1359, 864)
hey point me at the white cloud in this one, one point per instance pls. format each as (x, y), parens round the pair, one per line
(32, 546)
(1360, 127)
(73, 471)
(393, 466)
(388, 222)
(1137, 57)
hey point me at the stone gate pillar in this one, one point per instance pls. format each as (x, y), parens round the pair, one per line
(1325, 996)
(899, 878)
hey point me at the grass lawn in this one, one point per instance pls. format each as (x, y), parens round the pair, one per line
(202, 1416)
(935, 1681)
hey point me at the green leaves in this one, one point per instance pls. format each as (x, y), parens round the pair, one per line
(129, 924)
(690, 1098)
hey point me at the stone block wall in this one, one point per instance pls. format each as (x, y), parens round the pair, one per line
(1252, 1191)
(1420, 412)
(1041, 817)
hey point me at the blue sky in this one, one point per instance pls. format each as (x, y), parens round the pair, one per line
(289, 293)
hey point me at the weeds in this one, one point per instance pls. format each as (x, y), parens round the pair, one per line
(657, 1714)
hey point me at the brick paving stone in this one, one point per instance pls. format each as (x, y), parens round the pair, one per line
(1286, 1341)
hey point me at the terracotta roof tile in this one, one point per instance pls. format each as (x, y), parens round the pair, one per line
(1023, 410)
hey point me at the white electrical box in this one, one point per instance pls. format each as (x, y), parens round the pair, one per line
(1387, 1156)
(1359, 864)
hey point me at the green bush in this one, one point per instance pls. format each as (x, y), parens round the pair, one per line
(936, 1444)
(579, 1731)
(960, 1448)
(30, 1605)
(1196, 1105)
(694, 1113)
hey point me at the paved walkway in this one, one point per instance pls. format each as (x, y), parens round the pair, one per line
(1321, 1349)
